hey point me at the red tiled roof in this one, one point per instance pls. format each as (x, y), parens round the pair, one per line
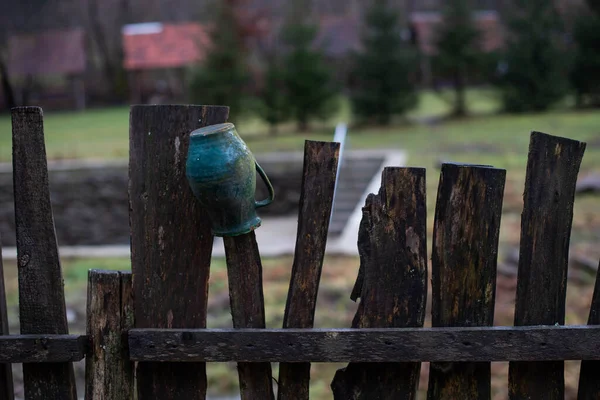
(150, 46)
(52, 52)
(426, 23)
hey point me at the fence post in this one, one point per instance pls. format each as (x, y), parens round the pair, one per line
(392, 282)
(171, 240)
(108, 371)
(6, 379)
(41, 292)
(316, 197)
(589, 384)
(463, 275)
(552, 168)
(244, 274)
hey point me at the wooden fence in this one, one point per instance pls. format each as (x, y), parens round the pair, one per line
(148, 329)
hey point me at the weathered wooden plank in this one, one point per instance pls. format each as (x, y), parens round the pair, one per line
(41, 293)
(373, 345)
(589, 384)
(42, 349)
(465, 248)
(316, 198)
(171, 241)
(552, 168)
(6, 380)
(127, 323)
(392, 247)
(108, 371)
(244, 273)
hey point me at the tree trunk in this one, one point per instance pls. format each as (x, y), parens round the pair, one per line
(303, 123)
(273, 129)
(112, 66)
(460, 108)
(7, 89)
(27, 89)
(578, 99)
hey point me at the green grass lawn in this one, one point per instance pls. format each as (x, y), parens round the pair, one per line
(103, 133)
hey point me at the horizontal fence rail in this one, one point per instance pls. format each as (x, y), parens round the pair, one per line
(526, 343)
(42, 348)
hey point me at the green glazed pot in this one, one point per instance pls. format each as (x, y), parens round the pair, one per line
(221, 172)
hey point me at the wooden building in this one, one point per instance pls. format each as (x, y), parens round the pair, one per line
(157, 56)
(48, 68)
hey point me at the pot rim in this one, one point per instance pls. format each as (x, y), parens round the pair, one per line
(212, 129)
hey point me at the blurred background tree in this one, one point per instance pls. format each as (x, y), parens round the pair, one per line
(222, 77)
(307, 78)
(275, 108)
(459, 49)
(384, 71)
(536, 65)
(585, 75)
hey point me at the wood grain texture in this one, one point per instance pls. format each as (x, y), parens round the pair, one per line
(393, 291)
(373, 345)
(171, 241)
(552, 168)
(465, 250)
(41, 293)
(43, 350)
(316, 199)
(127, 322)
(589, 384)
(244, 273)
(108, 371)
(6, 378)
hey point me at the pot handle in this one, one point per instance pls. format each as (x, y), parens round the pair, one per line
(269, 200)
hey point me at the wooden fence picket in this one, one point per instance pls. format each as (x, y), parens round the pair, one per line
(552, 168)
(316, 199)
(465, 247)
(41, 293)
(589, 384)
(108, 371)
(171, 239)
(244, 274)
(6, 377)
(393, 283)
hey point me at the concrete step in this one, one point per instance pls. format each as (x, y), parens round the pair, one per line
(345, 203)
(354, 177)
(337, 227)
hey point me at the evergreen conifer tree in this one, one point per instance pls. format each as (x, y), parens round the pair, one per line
(222, 78)
(274, 103)
(459, 49)
(307, 79)
(384, 72)
(585, 75)
(535, 73)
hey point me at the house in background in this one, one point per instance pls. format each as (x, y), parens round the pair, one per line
(338, 38)
(48, 68)
(424, 25)
(157, 57)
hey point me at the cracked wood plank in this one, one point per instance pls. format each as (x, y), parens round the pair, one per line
(464, 257)
(393, 290)
(108, 370)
